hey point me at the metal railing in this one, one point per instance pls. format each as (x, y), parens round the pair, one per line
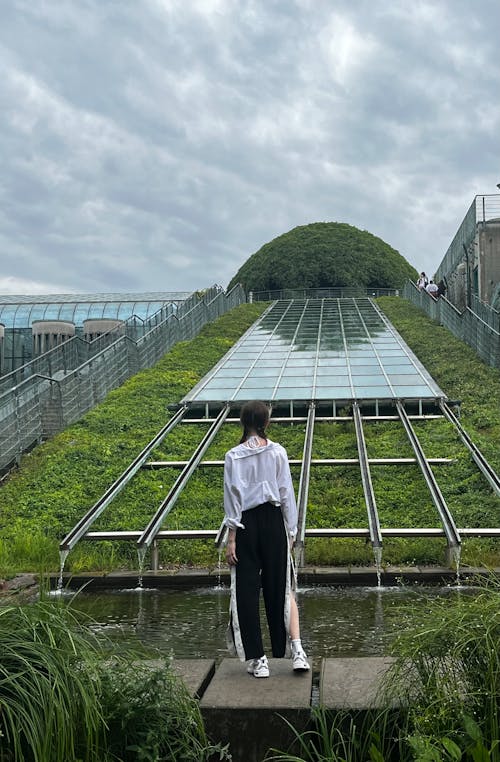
(466, 325)
(64, 384)
(482, 209)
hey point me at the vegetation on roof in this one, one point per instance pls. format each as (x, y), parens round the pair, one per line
(324, 255)
(59, 480)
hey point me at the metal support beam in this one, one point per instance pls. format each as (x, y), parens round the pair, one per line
(157, 464)
(371, 505)
(305, 474)
(479, 459)
(451, 532)
(354, 532)
(93, 513)
(167, 504)
(327, 418)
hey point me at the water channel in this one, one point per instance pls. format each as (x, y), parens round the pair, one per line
(191, 623)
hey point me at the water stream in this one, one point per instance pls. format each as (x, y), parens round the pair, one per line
(141, 555)
(377, 553)
(63, 554)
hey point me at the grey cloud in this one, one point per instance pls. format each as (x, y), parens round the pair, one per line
(164, 141)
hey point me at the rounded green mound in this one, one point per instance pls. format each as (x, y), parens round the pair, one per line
(324, 255)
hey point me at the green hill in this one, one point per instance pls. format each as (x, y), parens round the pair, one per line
(324, 255)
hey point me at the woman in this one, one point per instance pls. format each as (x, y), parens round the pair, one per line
(422, 281)
(261, 516)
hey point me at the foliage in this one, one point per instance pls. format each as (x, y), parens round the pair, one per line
(322, 255)
(150, 717)
(344, 737)
(448, 674)
(441, 697)
(63, 699)
(49, 686)
(61, 479)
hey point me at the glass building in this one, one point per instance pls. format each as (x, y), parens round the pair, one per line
(65, 314)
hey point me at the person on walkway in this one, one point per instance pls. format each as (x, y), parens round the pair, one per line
(441, 288)
(261, 516)
(432, 289)
(422, 281)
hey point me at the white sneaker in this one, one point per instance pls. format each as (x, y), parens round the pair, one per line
(299, 662)
(259, 667)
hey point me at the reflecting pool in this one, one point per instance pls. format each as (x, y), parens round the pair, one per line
(191, 623)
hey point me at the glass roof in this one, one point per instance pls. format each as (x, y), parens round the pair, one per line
(21, 311)
(318, 349)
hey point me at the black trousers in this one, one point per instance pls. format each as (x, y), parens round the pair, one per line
(262, 553)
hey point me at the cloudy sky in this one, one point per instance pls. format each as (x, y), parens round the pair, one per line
(156, 144)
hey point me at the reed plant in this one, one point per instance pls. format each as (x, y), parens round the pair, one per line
(49, 685)
(66, 697)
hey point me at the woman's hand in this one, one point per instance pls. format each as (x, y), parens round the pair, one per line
(231, 552)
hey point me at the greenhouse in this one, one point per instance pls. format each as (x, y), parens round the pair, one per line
(31, 325)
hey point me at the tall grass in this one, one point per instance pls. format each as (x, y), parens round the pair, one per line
(49, 685)
(64, 698)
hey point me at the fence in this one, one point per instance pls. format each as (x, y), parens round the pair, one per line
(467, 325)
(340, 292)
(57, 388)
(482, 210)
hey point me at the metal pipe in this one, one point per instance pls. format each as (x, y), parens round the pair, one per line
(452, 535)
(305, 474)
(371, 505)
(167, 504)
(354, 532)
(93, 513)
(328, 418)
(477, 455)
(154, 464)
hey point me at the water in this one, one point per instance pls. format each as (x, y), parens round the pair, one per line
(191, 623)
(141, 558)
(63, 554)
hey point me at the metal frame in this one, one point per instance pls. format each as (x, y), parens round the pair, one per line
(451, 531)
(376, 534)
(477, 455)
(152, 529)
(93, 513)
(371, 504)
(304, 485)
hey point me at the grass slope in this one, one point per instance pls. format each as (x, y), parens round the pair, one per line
(61, 479)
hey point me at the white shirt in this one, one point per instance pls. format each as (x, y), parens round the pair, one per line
(432, 289)
(256, 474)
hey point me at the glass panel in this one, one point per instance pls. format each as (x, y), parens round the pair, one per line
(334, 393)
(413, 391)
(285, 348)
(373, 392)
(332, 381)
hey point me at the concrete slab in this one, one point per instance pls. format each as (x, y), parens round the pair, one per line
(353, 683)
(196, 674)
(250, 713)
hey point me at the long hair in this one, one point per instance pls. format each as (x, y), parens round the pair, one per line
(254, 416)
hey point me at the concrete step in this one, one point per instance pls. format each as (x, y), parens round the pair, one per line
(248, 712)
